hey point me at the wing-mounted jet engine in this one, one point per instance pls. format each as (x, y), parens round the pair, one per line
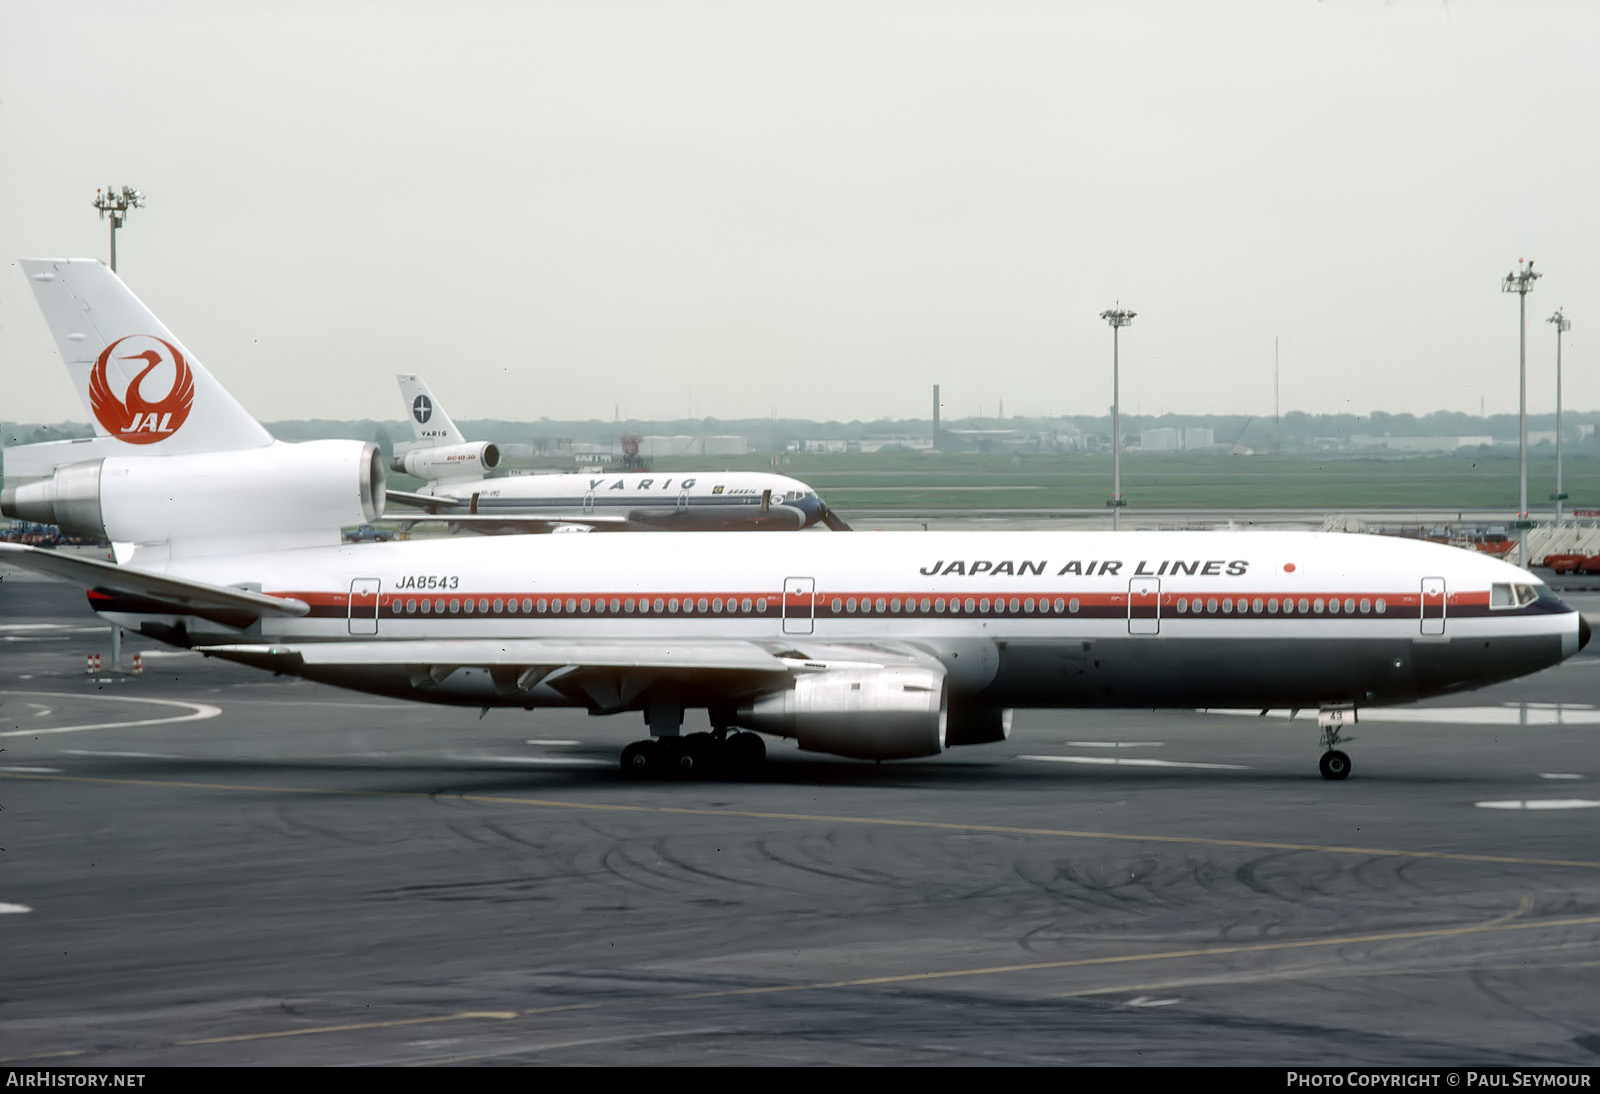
(904, 706)
(469, 460)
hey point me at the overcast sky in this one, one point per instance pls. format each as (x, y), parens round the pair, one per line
(727, 209)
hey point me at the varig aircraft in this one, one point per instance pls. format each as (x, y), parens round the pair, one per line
(460, 490)
(876, 646)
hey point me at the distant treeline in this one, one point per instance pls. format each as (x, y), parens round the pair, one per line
(1297, 431)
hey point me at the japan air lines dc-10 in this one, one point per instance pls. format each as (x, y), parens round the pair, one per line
(877, 646)
(461, 491)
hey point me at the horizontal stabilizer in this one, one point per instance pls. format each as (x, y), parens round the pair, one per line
(196, 596)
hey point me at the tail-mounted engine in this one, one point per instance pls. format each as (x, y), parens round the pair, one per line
(891, 713)
(279, 495)
(451, 461)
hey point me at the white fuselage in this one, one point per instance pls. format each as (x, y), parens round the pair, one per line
(1042, 618)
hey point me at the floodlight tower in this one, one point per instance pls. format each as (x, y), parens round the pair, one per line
(1118, 318)
(1563, 324)
(1520, 281)
(117, 203)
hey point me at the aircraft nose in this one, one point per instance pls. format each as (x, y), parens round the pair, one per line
(810, 506)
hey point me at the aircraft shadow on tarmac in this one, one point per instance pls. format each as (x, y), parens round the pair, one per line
(416, 774)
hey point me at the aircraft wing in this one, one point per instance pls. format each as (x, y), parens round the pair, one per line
(221, 603)
(515, 524)
(604, 675)
(781, 518)
(432, 503)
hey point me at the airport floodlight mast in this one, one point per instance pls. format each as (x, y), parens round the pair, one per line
(1520, 281)
(1563, 324)
(1118, 318)
(117, 203)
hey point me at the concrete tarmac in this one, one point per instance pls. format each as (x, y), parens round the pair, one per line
(205, 864)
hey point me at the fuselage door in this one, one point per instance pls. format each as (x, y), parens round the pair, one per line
(1433, 605)
(1144, 605)
(588, 502)
(364, 605)
(799, 605)
(683, 501)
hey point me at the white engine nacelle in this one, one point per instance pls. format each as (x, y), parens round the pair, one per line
(892, 713)
(451, 461)
(279, 495)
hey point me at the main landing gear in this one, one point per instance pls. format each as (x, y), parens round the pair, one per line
(1334, 763)
(695, 755)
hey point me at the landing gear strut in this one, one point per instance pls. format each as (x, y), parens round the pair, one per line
(1334, 764)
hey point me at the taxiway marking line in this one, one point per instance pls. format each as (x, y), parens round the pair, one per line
(459, 1016)
(884, 822)
(1497, 924)
(197, 712)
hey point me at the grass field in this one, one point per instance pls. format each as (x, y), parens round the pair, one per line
(909, 481)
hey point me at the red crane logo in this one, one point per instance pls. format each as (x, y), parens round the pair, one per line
(135, 417)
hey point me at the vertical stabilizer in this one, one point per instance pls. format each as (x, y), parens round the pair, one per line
(144, 391)
(430, 425)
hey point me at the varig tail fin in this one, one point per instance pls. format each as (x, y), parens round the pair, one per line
(429, 423)
(141, 387)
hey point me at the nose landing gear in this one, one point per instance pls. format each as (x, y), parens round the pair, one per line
(1334, 764)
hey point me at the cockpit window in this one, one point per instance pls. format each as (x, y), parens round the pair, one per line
(1502, 595)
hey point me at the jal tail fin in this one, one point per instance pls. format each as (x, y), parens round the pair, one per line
(145, 393)
(430, 425)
